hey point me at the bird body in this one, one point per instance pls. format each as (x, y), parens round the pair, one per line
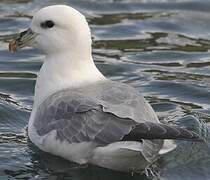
(87, 124)
(80, 115)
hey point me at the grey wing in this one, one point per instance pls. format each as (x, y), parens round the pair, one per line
(103, 113)
(80, 119)
(127, 102)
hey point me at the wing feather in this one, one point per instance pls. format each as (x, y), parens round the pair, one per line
(150, 130)
(102, 113)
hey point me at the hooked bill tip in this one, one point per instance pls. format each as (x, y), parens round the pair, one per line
(13, 46)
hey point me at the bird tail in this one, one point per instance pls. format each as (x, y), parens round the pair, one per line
(155, 136)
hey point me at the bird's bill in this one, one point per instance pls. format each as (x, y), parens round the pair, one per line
(23, 39)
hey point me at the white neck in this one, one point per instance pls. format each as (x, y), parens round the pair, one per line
(63, 71)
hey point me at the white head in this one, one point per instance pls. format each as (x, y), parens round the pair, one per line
(62, 33)
(57, 29)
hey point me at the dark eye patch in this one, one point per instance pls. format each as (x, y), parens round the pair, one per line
(47, 24)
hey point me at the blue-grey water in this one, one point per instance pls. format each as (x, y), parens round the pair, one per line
(161, 47)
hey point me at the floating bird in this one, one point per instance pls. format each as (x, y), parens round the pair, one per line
(79, 114)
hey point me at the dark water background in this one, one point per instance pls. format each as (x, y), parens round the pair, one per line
(161, 47)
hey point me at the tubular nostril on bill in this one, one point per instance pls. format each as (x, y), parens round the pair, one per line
(23, 33)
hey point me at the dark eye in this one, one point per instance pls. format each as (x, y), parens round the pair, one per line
(47, 24)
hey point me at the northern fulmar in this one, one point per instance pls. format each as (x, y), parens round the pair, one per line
(78, 113)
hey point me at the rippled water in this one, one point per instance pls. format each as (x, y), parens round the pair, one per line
(161, 47)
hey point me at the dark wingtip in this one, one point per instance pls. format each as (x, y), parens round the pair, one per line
(150, 130)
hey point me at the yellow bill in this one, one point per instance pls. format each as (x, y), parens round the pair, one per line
(25, 38)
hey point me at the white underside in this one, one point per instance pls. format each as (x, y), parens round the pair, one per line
(121, 156)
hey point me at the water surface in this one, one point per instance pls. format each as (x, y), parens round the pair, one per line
(161, 47)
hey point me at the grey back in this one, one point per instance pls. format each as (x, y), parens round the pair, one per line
(103, 113)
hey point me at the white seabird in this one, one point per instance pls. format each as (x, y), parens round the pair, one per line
(80, 115)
